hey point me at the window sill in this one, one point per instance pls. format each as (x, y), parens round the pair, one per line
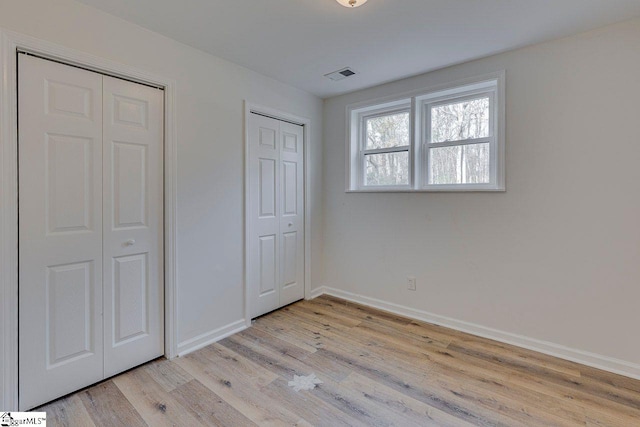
(446, 189)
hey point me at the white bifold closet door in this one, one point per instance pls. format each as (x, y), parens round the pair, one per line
(90, 228)
(276, 214)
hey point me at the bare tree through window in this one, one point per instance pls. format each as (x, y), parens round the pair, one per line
(387, 132)
(449, 138)
(457, 122)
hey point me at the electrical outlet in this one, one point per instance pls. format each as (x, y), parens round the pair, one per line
(411, 283)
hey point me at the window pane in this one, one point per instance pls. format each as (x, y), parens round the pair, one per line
(387, 168)
(387, 131)
(460, 164)
(459, 121)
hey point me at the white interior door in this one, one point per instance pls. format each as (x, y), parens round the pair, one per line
(292, 213)
(60, 232)
(264, 225)
(133, 264)
(90, 228)
(275, 253)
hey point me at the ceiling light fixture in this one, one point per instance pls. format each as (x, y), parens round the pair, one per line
(351, 3)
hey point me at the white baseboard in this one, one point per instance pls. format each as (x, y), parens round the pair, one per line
(315, 293)
(594, 360)
(208, 338)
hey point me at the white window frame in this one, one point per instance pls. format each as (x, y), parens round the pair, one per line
(359, 150)
(419, 103)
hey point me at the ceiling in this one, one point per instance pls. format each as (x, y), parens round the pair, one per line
(298, 41)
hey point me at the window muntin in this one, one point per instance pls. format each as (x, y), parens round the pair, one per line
(450, 139)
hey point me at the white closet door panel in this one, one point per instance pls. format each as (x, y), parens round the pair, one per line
(129, 185)
(264, 208)
(275, 274)
(291, 262)
(133, 224)
(60, 230)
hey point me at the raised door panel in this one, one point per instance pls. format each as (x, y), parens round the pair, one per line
(290, 188)
(268, 265)
(128, 111)
(70, 183)
(267, 183)
(69, 99)
(60, 230)
(290, 259)
(267, 135)
(133, 224)
(290, 141)
(130, 191)
(131, 288)
(70, 317)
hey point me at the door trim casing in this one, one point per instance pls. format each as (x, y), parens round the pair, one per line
(249, 108)
(10, 43)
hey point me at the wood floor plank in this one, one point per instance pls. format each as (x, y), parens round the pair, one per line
(361, 311)
(553, 384)
(327, 367)
(68, 412)
(167, 374)
(524, 355)
(497, 383)
(435, 331)
(285, 333)
(207, 407)
(274, 343)
(311, 406)
(377, 368)
(507, 359)
(404, 336)
(324, 312)
(108, 407)
(506, 401)
(349, 340)
(271, 354)
(351, 402)
(227, 363)
(245, 397)
(418, 412)
(266, 350)
(614, 380)
(155, 405)
(414, 387)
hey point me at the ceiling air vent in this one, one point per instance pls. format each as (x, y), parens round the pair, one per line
(340, 74)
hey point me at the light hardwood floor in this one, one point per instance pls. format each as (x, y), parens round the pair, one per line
(377, 369)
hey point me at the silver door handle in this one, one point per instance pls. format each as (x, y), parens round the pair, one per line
(290, 224)
(130, 242)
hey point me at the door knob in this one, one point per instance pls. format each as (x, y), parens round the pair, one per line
(290, 224)
(130, 242)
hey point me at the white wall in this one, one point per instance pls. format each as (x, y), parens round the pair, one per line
(210, 111)
(556, 257)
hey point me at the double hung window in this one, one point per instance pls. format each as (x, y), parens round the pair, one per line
(446, 139)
